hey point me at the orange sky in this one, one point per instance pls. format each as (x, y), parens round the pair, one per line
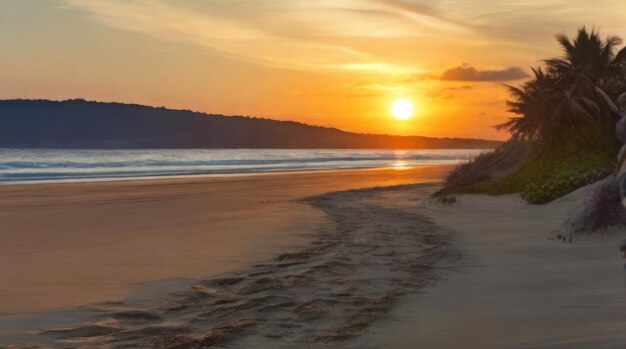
(338, 63)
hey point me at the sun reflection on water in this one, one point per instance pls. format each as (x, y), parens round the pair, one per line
(400, 165)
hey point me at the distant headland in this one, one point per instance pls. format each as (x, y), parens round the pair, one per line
(77, 123)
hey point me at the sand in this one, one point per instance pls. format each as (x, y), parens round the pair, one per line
(65, 245)
(386, 268)
(513, 287)
(354, 270)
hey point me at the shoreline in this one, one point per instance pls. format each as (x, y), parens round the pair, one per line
(23, 166)
(221, 175)
(350, 274)
(89, 242)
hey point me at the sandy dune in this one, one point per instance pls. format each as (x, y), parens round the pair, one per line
(513, 286)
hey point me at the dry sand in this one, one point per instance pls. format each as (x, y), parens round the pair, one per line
(513, 287)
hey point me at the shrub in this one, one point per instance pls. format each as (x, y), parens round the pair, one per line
(543, 179)
(561, 183)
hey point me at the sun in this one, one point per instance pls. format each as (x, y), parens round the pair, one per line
(402, 109)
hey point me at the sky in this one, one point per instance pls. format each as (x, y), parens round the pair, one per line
(336, 63)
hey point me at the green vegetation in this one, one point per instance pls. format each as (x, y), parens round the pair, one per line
(563, 132)
(542, 181)
(564, 176)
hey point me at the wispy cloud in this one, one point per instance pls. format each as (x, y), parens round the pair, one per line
(425, 14)
(388, 36)
(298, 34)
(235, 38)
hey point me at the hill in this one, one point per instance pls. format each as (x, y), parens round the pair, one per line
(95, 125)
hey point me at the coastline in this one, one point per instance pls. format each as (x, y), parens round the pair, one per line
(71, 240)
(41, 166)
(323, 258)
(220, 176)
(384, 267)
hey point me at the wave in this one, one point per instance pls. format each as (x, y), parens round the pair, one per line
(19, 165)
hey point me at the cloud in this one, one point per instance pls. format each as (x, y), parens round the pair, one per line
(372, 36)
(286, 33)
(423, 14)
(466, 72)
(233, 37)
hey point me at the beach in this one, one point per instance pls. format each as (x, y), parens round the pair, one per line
(309, 260)
(515, 285)
(312, 174)
(62, 238)
(71, 244)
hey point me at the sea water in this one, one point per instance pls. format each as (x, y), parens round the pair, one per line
(51, 165)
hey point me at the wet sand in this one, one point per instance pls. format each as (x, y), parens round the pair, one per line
(65, 245)
(351, 273)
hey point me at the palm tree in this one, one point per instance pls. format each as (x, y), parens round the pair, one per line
(531, 104)
(593, 62)
(572, 102)
(588, 54)
(591, 69)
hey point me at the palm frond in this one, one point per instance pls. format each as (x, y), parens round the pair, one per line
(564, 103)
(620, 57)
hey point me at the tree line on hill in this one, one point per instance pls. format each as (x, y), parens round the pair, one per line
(96, 125)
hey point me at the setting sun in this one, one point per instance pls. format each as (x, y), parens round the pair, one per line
(402, 109)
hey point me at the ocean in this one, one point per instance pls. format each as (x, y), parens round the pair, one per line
(53, 165)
